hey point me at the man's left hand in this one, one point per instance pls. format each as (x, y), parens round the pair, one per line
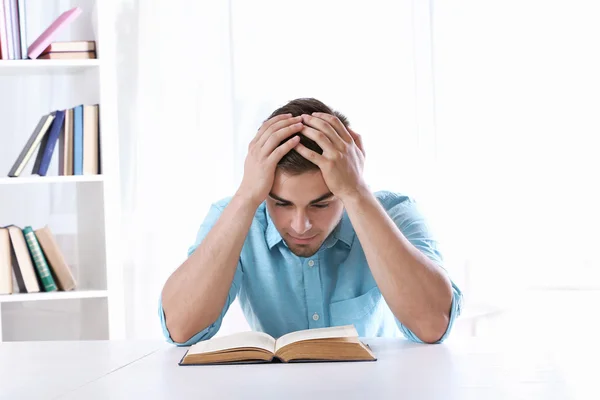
(343, 155)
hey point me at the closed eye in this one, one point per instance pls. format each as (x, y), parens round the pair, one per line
(321, 205)
(282, 204)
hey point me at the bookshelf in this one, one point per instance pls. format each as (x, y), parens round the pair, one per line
(83, 211)
(46, 67)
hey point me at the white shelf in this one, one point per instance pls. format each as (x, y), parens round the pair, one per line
(43, 67)
(75, 294)
(21, 180)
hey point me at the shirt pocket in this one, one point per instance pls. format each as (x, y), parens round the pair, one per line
(361, 311)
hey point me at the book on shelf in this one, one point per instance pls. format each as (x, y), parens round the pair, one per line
(34, 141)
(13, 28)
(76, 132)
(13, 35)
(71, 55)
(24, 271)
(75, 46)
(65, 146)
(338, 343)
(37, 47)
(6, 279)
(64, 278)
(39, 260)
(47, 149)
(32, 261)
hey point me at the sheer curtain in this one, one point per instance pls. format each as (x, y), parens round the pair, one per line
(176, 127)
(517, 99)
(197, 80)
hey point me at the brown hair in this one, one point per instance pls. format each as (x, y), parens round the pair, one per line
(293, 163)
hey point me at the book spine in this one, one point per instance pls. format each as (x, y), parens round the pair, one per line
(39, 260)
(53, 134)
(32, 144)
(90, 139)
(9, 29)
(6, 279)
(16, 30)
(78, 140)
(56, 260)
(3, 33)
(17, 271)
(22, 28)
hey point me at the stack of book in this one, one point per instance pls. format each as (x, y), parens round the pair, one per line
(76, 133)
(13, 36)
(80, 50)
(31, 261)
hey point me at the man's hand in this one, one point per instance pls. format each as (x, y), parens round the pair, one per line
(264, 152)
(343, 155)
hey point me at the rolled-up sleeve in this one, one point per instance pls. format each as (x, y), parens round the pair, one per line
(207, 333)
(413, 225)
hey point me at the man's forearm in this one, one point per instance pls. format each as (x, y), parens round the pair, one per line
(196, 292)
(417, 291)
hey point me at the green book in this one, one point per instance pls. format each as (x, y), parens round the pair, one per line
(39, 260)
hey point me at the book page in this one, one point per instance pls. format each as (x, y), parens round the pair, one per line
(237, 340)
(319, 333)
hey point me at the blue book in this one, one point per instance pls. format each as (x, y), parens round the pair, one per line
(41, 168)
(78, 140)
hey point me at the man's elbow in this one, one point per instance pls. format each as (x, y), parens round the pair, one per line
(434, 331)
(181, 329)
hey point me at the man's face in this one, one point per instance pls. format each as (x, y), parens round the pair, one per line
(304, 211)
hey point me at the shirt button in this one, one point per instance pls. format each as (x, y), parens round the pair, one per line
(311, 263)
(315, 316)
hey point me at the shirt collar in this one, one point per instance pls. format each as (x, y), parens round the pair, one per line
(343, 231)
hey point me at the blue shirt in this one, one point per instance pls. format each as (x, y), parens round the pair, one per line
(280, 292)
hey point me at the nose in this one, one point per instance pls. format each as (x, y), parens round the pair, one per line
(300, 223)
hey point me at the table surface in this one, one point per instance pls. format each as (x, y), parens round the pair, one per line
(457, 369)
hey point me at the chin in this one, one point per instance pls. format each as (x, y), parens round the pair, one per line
(303, 251)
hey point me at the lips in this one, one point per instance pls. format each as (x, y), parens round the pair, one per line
(302, 240)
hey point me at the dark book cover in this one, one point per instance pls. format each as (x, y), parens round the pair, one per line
(51, 140)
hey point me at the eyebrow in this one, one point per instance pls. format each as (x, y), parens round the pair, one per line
(317, 200)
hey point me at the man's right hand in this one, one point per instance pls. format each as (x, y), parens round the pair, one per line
(264, 152)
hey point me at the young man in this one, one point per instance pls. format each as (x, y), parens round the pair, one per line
(305, 244)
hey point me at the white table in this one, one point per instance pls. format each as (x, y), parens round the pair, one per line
(46, 370)
(460, 369)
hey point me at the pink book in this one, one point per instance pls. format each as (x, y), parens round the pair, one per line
(38, 46)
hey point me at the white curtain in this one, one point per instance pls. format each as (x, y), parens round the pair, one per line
(505, 167)
(198, 78)
(176, 138)
(517, 90)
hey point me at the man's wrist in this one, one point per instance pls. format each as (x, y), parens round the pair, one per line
(356, 195)
(245, 200)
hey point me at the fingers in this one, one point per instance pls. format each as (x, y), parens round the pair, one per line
(324, 126)
(318, 137)
(283, 149)
(310, 155)
(275, 127)
(335, 122)
(267, 124)
(357, 139)
(274, 139)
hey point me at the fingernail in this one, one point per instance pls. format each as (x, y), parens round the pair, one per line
(315, 113)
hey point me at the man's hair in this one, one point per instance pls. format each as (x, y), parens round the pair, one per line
(293, 163)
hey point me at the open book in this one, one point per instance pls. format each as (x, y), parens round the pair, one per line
(338, 343)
